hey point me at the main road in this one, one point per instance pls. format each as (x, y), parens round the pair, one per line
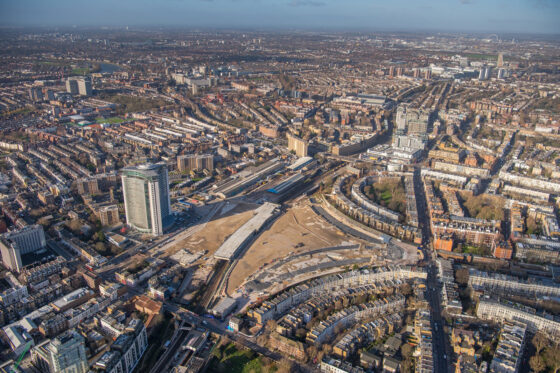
(439, 342)
(214, 326)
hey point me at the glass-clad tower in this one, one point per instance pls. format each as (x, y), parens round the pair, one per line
(146, 197)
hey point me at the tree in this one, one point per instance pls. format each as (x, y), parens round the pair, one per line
(100, 248)
(271, 325)
(406, 350)
(537, 363)
(36, 212)
(540, 342)
(311, 352)
(552, 357)
(338, 329)
(301, 333)
(407, 365)
(284, 366)
(462, 276)
(262, 339)
(75, 225)
(44, 221)
(406, 289)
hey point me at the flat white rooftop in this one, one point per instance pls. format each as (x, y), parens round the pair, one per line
(235, 242)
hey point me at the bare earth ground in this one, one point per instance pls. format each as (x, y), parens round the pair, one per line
(227, 220)
(298, 225)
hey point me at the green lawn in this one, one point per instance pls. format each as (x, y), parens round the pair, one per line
(230, 359)
(112, 120)
(475, 250)
(80, 71)
(130, 104)
(54, 63)
(386, 196)
(388, 193)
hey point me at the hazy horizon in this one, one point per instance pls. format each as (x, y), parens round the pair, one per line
(470, 16)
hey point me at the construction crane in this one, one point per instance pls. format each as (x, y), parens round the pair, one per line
(16, 364)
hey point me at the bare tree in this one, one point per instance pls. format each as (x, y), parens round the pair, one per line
(537, 364)
(271, 325)
(262, 339)
(540, 342)
(552, 357)
(312, 352)
(301, 333)
(462, 276)
(285, 366)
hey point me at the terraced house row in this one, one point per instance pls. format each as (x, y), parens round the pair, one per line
(281, 303)
(371, 218)
(365, 334)
(343, 319)
(504, 284)
(341, 298)
(489, 309)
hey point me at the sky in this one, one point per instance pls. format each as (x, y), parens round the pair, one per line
(506, 16)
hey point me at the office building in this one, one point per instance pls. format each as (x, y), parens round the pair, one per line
(24, 241)
(79, 86)
(501, 73)
(64, 354)
(500, 62)
(109, 215)
(28, 239)
(409, 142)
(412, 121)
(36, 94)
(146, 197)
(195, 162)
(72, 86)
(401, 119)
(485, 73)
(11, 290)
(126, 351)
(84, 87)
(297, 145)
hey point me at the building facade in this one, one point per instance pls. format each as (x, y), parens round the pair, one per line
(64, 354)
(79, 86)
(195, 162)
(499, 312)
(16, 243)
(109, 215)
(146, 197)
(299, 146)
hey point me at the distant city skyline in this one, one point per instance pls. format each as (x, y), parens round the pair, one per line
(514, 16)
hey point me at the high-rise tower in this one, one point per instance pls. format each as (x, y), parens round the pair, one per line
(146, 197)
(500, 60)
(65, 353)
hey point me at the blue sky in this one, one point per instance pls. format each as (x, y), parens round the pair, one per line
(533, 16)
